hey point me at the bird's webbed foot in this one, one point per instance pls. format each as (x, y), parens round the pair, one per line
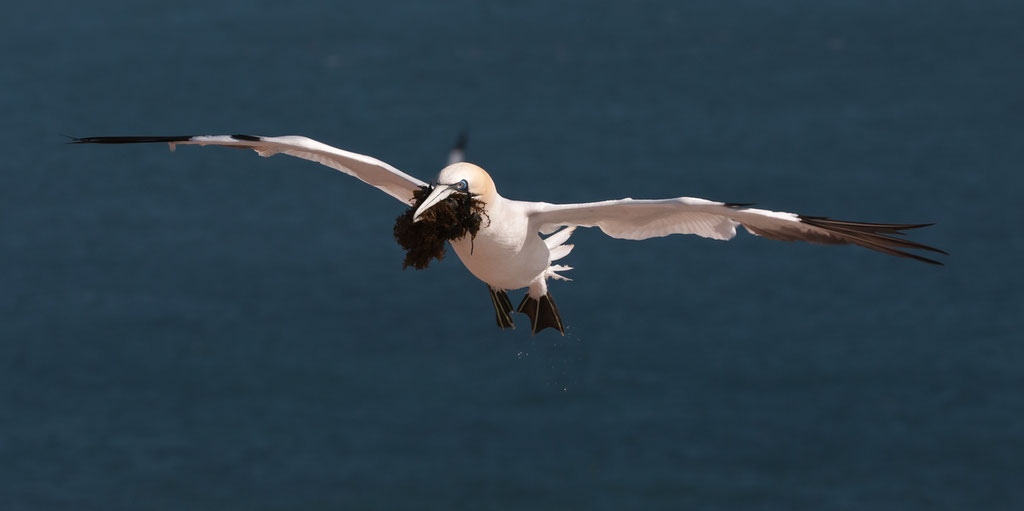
(543, 313)
(502, 308)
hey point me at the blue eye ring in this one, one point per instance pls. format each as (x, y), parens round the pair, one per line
(461, 185)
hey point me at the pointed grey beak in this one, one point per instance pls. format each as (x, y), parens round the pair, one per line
(440, 193)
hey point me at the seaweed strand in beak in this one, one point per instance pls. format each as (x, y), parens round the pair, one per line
(424, 228)
(440, 193)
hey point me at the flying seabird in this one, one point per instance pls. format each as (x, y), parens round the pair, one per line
(507, 249)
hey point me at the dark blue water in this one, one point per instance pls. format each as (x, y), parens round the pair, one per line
(211, 330)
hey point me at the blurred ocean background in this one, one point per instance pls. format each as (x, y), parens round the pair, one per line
(210, 330)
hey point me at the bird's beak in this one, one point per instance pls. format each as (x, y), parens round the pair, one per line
(440, 193)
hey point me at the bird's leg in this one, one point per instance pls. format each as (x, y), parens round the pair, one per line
(502, 308)
(543, 313)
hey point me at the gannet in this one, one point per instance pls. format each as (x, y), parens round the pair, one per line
(519, 242)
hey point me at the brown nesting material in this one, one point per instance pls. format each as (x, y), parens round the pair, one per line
(453, 218)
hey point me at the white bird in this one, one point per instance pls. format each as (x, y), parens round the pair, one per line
(508, 252)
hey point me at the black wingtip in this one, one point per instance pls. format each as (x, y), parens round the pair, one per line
(458, 151)
(127, 140)
(892, 228)
(461, 141)
(880, 237)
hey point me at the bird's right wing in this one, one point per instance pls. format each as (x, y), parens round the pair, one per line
(364, 168)
(641, 219)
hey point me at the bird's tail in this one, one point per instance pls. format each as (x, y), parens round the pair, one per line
(543, 313)
(558, 249)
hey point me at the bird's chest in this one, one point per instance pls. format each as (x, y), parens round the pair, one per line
(504, 253)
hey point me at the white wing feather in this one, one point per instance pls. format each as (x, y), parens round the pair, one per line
(626, 218)
(364, 168)
(642, 219)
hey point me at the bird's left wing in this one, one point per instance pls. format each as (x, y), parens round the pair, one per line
(641, 219)
(364, 168)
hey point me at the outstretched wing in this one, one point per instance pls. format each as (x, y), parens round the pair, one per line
(364, 168)
(641, 219)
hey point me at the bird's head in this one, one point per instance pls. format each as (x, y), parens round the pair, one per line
(459, 177)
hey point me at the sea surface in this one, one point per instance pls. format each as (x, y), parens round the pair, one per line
(210, 330)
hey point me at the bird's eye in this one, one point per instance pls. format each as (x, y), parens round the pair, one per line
(461, 185)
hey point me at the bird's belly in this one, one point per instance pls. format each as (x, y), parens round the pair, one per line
(503, 262)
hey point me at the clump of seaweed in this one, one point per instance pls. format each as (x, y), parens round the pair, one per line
(456, 216)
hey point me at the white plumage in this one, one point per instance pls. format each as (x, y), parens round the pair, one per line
(509, 252)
